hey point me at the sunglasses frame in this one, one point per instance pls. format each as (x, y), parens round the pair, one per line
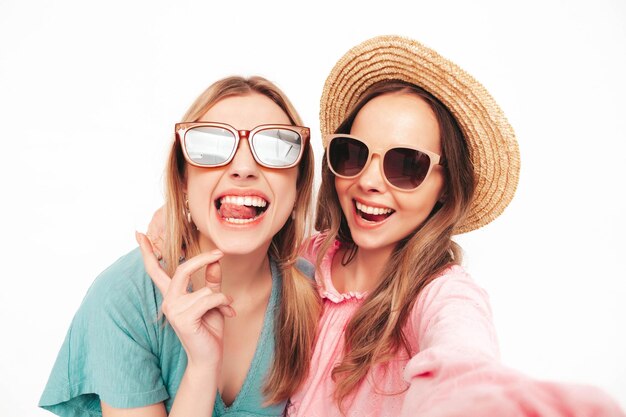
(182, 128)
(435, 159)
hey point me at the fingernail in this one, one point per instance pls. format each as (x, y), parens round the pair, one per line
(138, 237)
(217, 252)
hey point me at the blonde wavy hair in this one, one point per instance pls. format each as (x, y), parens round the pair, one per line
(296, 321)
(375, 332)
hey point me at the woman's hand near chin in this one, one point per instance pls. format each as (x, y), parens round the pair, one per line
(198, 320)
(196, 317)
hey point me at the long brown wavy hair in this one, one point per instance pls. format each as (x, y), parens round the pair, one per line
(296, 321)
(375, 332)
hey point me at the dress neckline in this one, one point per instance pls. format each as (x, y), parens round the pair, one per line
(258, 352)
(326, 287)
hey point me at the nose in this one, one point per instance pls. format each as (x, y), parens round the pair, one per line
(371, 179)
(243, 166)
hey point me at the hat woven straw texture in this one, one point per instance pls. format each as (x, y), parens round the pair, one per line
(491, 141)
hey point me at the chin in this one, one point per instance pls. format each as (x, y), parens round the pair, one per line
(242, 246)
(371, 242)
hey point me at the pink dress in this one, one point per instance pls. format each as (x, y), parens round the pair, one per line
(454, 368)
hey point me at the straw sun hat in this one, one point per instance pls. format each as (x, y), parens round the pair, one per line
(491, 140)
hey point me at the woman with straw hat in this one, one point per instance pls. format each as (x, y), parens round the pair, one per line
(416, 151)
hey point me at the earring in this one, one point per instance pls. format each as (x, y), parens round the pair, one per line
(187, 209)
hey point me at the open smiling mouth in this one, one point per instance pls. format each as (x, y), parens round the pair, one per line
(240, 209)
(372, 214)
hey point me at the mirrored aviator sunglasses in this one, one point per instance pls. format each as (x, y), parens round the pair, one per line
(211, 144)
(404, 167)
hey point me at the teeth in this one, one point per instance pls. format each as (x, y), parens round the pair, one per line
(372, 210)
(248, 200)
(240, 221)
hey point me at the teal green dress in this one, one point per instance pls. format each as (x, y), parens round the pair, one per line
(119, 350)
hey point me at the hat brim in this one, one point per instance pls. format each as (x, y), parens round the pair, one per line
(490, 138)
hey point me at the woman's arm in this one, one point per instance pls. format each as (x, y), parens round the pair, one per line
(195, 397)
(154, 410)
(457, 370)
(452, 327)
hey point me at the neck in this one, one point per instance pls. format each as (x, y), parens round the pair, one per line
(242, 273)
(363, 273)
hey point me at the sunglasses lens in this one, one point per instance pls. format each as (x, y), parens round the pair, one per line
(347, 156)
(277, 147)
(209, 146)
(406, 168)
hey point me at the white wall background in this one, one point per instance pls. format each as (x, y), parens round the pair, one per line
(89, 93)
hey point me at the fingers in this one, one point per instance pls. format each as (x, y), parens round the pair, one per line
(156, 231)
(228, 311)
(208, 301)
(172, 306)
(213, 276)
(153, 268)
(180, 280)
(157, 244)
(194, 305)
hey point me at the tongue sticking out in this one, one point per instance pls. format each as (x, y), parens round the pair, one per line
(235, 211)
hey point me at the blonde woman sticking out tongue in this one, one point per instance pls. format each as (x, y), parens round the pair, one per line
(240, 315)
